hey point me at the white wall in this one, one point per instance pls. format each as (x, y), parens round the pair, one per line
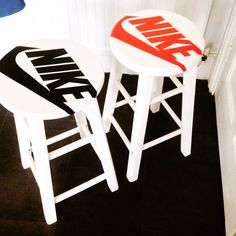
(215, 33)
(226, 124)
(225, 98)
(39, 19)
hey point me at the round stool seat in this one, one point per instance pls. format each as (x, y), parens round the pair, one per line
(155, 42)
(49, 78)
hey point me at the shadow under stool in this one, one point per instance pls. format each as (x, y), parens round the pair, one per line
(47, 80)
(154, 44)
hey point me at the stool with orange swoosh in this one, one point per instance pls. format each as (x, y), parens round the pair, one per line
(155, 44)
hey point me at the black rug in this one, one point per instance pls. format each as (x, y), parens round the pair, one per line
(174, 195)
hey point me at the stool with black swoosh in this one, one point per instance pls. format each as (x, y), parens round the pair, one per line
(51, 79)
(155, 44)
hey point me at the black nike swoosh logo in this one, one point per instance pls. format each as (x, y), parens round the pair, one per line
(11, 69)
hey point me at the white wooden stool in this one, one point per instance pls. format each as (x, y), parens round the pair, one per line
(51, 79)
(153, 44)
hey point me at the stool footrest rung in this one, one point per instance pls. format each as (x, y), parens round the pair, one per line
(70, 147)
(160, 98)
(124, 102)
(62, 136)
(176, 81)
(120, 131)
(172, 113)
(162, 139)
(125, 94)
(79, 188)
(168, 94)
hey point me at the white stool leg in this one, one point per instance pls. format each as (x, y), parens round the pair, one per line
(42, 166)
(81, 123)
(157, 90)
(144, 92)
(189, 81)
(112, 93)
(23, 140)
(94, 116)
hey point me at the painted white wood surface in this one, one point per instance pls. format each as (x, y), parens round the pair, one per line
(225, 108)
(216, 78)
(225, 98)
